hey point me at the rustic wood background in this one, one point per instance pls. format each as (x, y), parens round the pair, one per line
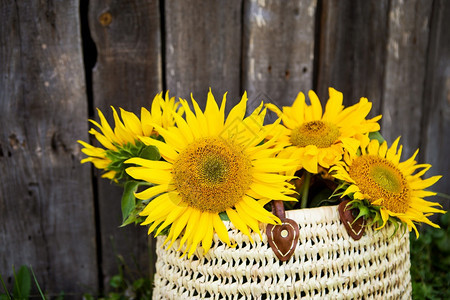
(61, 59)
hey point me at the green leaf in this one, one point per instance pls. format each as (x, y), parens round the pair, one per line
(376, 136)
(22, 283)
(363, 211)
(321, 198)
(128, 148)
(139, 283)
(116, 166)
(132, 218)
(60, 296)
(163, 232)
(128, 199)
(150, 152)
(223, 216)
(396, 226)
(37, 283)
(116, 157)
(341, 187)
(116, 281)
(5, 296)
(88, 297)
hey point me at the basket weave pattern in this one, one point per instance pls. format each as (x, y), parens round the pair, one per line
(327, 264)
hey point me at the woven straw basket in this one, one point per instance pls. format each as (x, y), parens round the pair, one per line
(327, 264)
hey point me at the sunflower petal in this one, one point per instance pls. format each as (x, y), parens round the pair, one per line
(178, 225)
(316, 105)
(221, 230)
(238, 222)
(150, 175)
(152, 164)
(237, 112)
(152, 191)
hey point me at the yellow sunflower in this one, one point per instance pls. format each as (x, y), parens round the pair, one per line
(377, 175)
(316, 139)
(212, 165)
(126, 133)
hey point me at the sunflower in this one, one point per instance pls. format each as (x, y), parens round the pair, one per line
(377, 175)
(123, 142)
(314, 139)
(212, 165)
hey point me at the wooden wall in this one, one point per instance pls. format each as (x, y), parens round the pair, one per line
(46, 207)
(61, 59)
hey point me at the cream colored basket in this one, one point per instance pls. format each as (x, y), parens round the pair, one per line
(326, 264)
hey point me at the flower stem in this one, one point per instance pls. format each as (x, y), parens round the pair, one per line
(305, 189)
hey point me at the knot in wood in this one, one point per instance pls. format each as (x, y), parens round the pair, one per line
(105, 19)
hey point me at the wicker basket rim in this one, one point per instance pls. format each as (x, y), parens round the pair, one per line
(322, 214)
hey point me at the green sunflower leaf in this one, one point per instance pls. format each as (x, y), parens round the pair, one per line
(363, 212)
(128, 147)
(128, 199)
(396, 226)
(163, 232)
(376, 219)
(131, 219)
(376, 136)
(341, 187)
(150, 152)
(223, 216)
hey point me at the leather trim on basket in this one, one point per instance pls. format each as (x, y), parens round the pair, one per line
(282, 238)
(354, 228)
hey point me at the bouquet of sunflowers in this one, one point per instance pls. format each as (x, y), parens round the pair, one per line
(185, 171)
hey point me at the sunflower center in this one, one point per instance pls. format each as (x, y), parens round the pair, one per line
(318, 133)
(381, 179)
(213, 169)
(386, 178)
(212, 174)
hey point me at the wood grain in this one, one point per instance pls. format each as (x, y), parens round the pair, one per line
(394, 52)
(128, 75)
(435, 138)
(278, 50)
(377, 49)
(352, 50)
(203, 49)
(46, 203)
(405, 72)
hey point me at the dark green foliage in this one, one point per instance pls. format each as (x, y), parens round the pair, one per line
(323, 198)
(128, 199)
(22, 283)
(130, 205)
(430, 262)
(125, 152)
(128, 284)
(21, 286)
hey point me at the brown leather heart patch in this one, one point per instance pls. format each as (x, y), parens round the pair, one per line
(354, 228)
(283, 238)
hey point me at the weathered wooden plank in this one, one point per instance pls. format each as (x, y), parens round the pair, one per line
(435, 138)
(352, 50)
(405, 72)
(203, 49)
(127, 75)
(46, 204)
(377, 49)
(278, 50)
